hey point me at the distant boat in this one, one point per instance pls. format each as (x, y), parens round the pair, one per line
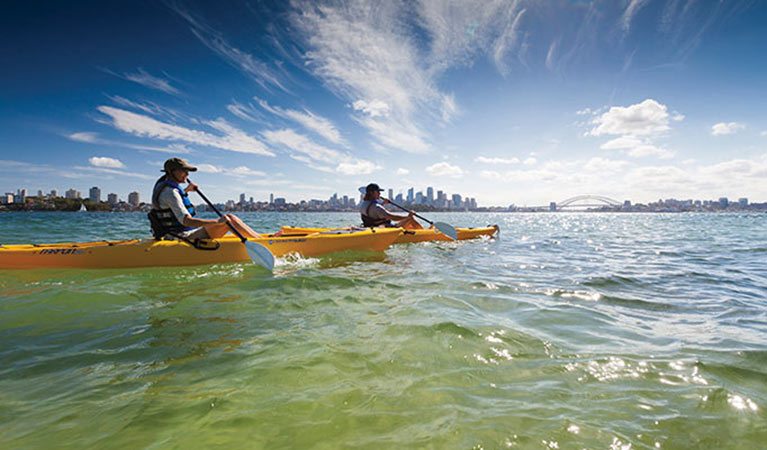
(83, 208)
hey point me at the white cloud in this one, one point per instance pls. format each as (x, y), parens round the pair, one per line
(103, 161)
(208, 168)
(490, 174)
(637, 127)
(356, 168)
(530, 161)
(232, 139)
(445, 169)
(374, 108)
(722, 128)
(402, 171)
(636, 147)
(763, 133)
(246, 171)
(486, 160)
(641, 119)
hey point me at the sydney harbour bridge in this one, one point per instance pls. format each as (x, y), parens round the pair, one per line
(579, 202)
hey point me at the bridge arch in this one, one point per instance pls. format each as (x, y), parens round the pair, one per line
(600, 200)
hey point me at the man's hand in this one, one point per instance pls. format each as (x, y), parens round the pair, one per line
(385, 201)
(190, 187)
(223, 219)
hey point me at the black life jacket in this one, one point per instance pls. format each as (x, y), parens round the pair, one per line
(368, 221)
(163, 220)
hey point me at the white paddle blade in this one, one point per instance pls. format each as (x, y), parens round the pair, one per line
(260, 255)
(447, 229)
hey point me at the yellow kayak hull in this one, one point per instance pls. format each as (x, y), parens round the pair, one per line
(410, 236)
(152, 253)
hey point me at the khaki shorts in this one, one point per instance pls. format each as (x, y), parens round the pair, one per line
(197, 233)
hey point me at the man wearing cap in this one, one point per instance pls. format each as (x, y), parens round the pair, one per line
(173, 213)
(375, 215)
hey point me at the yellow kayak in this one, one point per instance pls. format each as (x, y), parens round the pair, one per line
(152, 253)
(409, 236)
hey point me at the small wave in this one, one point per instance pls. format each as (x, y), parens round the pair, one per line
(611, 281)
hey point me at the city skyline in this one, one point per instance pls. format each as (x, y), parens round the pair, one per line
(508, 101)
(411, 198)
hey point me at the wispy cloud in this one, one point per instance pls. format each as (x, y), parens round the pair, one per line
(143, 78)
(230, 137)
(486, 160)
(722, 128)
(263, 73)
(148, 80)
(363, 56)
(93, 138)
(111, 171)
(309, 120)
(239, 171)
(303, 149)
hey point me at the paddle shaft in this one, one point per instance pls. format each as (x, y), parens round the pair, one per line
(234, 230)
(414, 213)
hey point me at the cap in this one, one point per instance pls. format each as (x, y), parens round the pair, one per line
(178, 163)
(372, 187)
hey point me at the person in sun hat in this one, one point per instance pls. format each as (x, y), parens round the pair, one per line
(173, 213)
(375, 215)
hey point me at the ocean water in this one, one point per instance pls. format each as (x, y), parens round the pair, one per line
(572, 330)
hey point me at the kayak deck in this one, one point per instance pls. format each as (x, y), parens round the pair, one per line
(153, 253)
(411, 236)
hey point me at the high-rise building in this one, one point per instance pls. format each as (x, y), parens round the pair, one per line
(457, 203)
(242, 199)
(271, 198)
(419, 198)
(133, 199)
(72, 194)
(430, 195)
(112, 199)
(410, 195)
(391, 194)
(723, 202)
(94, 195)
(743, 202)
(21, 196)
(54, 193)
(40, 194)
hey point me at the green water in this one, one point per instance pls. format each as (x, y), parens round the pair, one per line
(569, 331)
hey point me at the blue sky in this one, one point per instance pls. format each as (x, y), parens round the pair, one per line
(521, 102)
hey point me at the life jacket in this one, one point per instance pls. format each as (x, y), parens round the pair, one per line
(163, 220)
(368, 221)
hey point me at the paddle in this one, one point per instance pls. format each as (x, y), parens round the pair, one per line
(257, 252)
(444, 228)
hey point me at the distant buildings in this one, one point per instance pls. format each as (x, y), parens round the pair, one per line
(72, 194)
(133, 199)
(413, 200)
(94, 195)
